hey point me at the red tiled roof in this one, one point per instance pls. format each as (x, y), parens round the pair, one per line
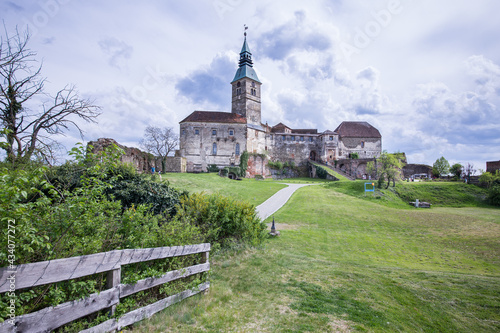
(214, 117)
(357, 129)
(280, 128)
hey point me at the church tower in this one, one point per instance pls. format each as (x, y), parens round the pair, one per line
(246, 88)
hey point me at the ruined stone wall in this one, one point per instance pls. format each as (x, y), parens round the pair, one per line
(293, 148)
(413, 169)
(197, 144)
(356, 167)
(365, 147)
(142, 161)
(175, 164)
(257, 165)
(492, 166)
(257, 141)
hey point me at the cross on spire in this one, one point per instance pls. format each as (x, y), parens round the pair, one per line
(245, 30)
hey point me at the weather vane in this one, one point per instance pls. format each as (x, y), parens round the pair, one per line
(246, 28)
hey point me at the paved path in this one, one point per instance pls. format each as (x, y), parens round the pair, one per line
(271, 205)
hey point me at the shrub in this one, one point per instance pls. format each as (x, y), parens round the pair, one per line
(276, 165)
(243, 164)
(51, 225)
(321, 173)
(221, 219)
(494, 195)
(213, 168)
(160, 197)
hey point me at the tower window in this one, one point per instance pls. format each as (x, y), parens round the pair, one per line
(238, 84)
(238, 91)
(253, 84)
(214, 149)
(237, 149)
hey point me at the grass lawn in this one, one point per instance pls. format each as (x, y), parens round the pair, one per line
(251, 190)
(345, 262)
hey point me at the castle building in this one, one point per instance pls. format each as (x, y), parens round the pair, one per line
(214, 137)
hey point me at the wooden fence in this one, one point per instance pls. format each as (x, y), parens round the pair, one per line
(45, 272)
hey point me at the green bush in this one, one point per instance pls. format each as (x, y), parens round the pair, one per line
(321, 173)
(243, 164)
(221, 219)
(213, 168)
(160, 197)
(275, 165)
(494, 195)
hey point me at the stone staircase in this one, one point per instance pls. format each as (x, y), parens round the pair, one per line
(337, 170)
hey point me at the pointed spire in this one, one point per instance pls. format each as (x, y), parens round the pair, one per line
(245, 64)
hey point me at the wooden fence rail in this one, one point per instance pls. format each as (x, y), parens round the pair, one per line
(40, 273)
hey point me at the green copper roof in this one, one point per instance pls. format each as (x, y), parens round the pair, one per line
(245, 47)
(245, 65)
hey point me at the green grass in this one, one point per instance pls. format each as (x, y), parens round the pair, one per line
(439, 194)
(344, 262)
(331, 172)
(251, 190)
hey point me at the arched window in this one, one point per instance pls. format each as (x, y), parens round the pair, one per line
(238, 84)
(214, 149)
(237, 149)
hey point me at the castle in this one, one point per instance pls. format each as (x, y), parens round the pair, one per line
(213, 137)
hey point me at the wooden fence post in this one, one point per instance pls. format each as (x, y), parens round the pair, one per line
(113, 279)
(204, 257)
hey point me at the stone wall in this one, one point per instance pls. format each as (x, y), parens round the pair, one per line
(492, 166)
(413, 169)
(356, 167)
(175, 164)
(294, 148)
(257, 165)
(197, 142)
(365, 147)
(142, 161)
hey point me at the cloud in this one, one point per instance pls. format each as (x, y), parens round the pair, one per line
(296, 34)
(486, 74)
(11, 6)
(209, 86)
(118, 51)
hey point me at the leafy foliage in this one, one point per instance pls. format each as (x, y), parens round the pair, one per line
(221, 219)
(492, 183)
(159, 197)
(243, 164)
(321, 172)
(456, 170)
(213, 168)
(440, 167)
(388, 168)
(96, 204)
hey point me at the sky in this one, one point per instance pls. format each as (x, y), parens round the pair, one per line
(425, 73)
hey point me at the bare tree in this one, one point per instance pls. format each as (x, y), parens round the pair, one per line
(469, 170)
(28, 128)
(160, 142)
